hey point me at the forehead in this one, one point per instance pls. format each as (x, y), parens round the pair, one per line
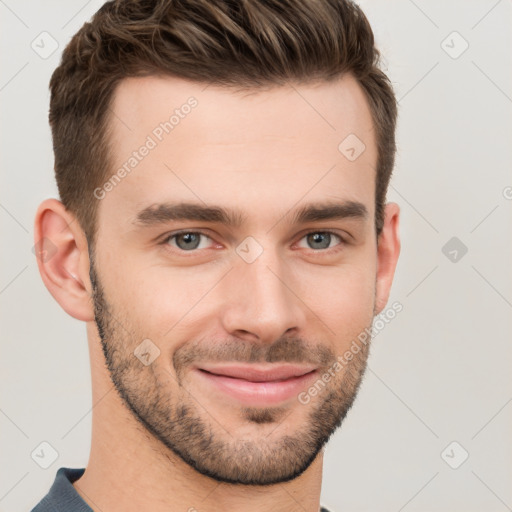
(177, 139)
(329, 109)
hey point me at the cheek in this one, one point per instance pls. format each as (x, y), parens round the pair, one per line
(159, 301)
(343, 299)
(137, 298)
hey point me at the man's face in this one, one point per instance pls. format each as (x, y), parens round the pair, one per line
(232, 322)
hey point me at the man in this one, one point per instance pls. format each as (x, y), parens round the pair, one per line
(223, 232)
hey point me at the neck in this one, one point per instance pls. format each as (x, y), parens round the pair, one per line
(129, 470)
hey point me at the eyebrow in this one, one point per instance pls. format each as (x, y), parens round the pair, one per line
(161, 213)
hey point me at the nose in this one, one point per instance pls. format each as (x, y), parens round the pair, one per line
(262, 302)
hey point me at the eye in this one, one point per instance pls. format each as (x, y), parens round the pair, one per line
(186, 240)
(189, 241)
(321, 239)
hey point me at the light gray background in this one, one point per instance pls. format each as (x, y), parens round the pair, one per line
(438, 373)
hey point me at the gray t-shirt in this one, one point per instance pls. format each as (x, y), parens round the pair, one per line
(63, 497)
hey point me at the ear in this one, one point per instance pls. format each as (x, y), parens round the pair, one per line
(388, 250)
(63, 258)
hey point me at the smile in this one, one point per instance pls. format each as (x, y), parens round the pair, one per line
(257, 385)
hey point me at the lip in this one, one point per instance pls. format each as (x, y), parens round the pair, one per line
(257, 385)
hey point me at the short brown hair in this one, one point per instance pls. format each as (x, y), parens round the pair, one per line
(243, 44)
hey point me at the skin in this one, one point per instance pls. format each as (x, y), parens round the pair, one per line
(266, 154)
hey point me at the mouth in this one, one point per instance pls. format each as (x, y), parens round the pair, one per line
(257, 385)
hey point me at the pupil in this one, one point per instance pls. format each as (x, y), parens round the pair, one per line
(189, 239)
(322, 238)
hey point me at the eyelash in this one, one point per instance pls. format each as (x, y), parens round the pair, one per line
(331, 250)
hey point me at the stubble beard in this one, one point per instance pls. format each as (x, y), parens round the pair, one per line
(181, 424)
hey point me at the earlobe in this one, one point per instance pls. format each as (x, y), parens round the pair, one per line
(388, 250)
(62, 257)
